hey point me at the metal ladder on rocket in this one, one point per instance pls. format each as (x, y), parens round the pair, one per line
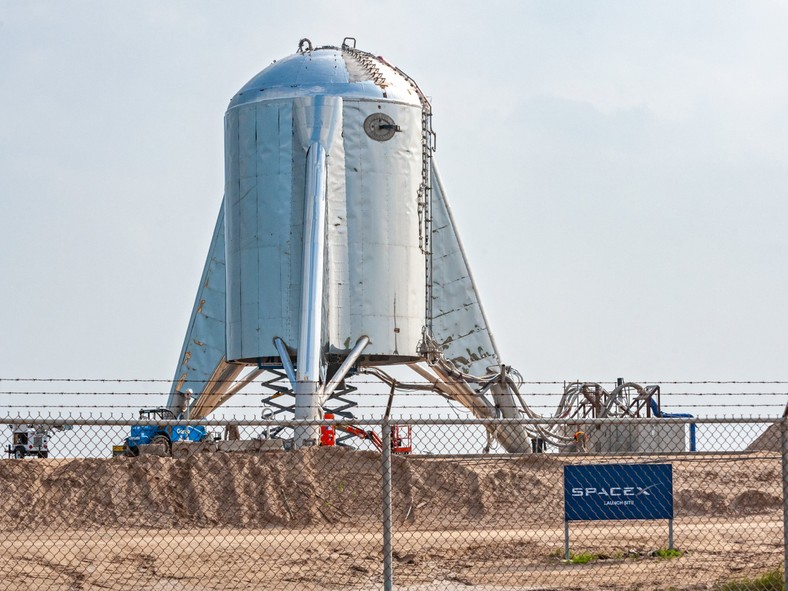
(335, 251)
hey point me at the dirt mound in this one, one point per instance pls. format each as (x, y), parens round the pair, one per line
(334, 485)
(700, 502)
(769, 440)
(754, 501)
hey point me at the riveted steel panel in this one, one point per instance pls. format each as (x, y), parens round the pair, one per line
(204, 346)
(458, 322)
(264, 228)
(386, 267)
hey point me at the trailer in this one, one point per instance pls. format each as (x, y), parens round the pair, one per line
(31, 440)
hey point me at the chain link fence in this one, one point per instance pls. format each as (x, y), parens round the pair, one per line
(415, 505)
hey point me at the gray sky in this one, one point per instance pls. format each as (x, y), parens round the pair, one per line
(617, 170)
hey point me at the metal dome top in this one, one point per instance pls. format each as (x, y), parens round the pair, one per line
(338, 71)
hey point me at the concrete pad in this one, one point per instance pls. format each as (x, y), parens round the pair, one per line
(151, 449)
(185, 449)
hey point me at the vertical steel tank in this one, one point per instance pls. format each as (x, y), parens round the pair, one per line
(353, 126)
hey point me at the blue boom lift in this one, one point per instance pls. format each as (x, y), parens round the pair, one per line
(161, 435)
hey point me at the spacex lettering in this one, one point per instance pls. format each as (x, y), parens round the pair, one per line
(618, 491)
(613, 491)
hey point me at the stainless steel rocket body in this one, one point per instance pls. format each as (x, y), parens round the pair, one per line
(353, 129)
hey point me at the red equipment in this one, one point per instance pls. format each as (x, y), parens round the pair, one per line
(401, 440)
(401, 436)
(328, 434)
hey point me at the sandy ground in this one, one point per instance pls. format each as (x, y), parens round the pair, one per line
(218, 559)
(310, 520)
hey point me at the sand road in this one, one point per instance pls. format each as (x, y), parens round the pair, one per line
(218, 559)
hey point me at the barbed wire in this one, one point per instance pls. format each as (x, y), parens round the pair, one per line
(355, 393)
(408, 407)
(372, 381)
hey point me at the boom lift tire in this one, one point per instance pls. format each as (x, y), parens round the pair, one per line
(19, 452)
(162, 440)
(132, 452)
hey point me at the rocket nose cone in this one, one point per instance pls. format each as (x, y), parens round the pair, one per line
(344, 72)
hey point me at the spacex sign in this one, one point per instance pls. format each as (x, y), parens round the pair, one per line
(618, 491)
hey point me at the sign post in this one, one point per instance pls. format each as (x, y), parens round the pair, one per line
(617, 491)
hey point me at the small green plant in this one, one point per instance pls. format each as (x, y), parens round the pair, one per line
(771, 581)
(583, 558)
(668, 553)
(586, 557)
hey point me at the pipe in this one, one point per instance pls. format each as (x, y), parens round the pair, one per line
(657, 411)
(248, 378)
(218, 384)
(349, 361)
(388, 522)
(513, 438)
(478, 405)
(307, 399)
(287, 363)
(784, 453)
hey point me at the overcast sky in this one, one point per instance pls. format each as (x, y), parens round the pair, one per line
(618, 171)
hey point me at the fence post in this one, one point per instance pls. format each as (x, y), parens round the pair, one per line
(388, 575)
(784, 449)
